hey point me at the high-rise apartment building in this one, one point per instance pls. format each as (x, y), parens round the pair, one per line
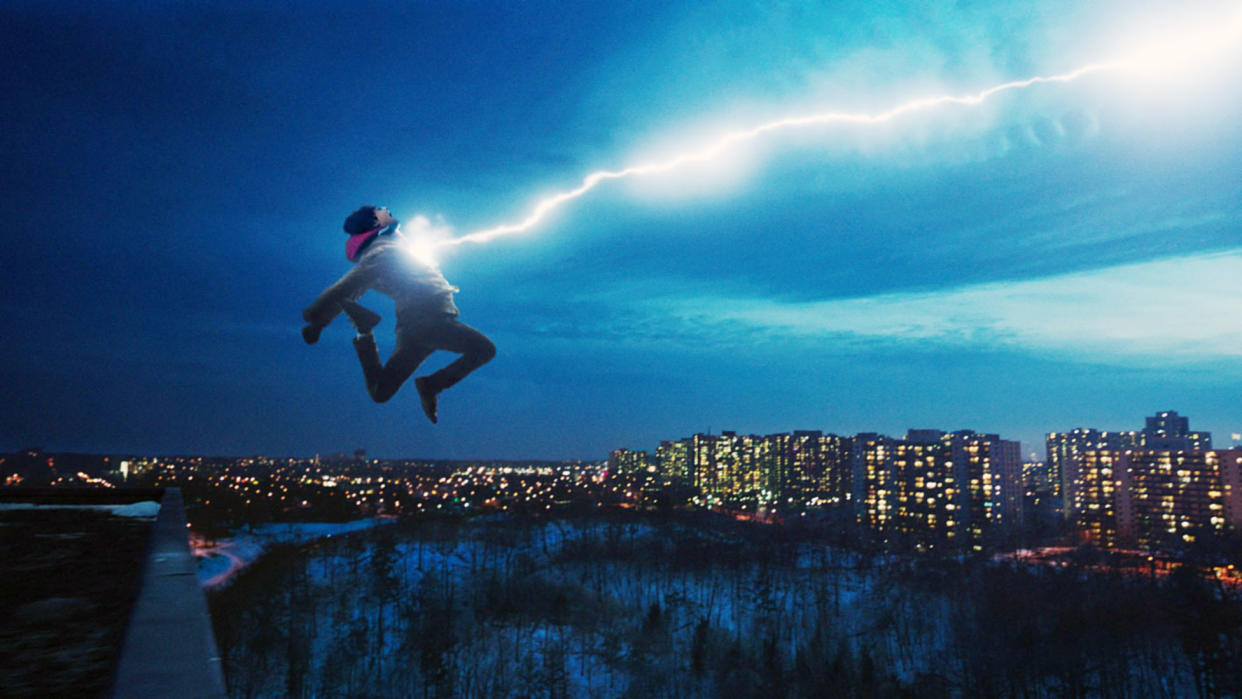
(1157, 498)
(834, 482)
(1176, 496)
(703, 462)
(1169, 431)
(1098, 503)
(786, 470)
(1039, 507)
(993, 488)
(773, 458)
(1035, 477)
(1064, 449)
(673, 460)
(936, 487)
(1165, 431)
(818, 467)
(925, 490)
(737, 472)
(930, 487)
(725, 467)
(629, 461)
(805, 466)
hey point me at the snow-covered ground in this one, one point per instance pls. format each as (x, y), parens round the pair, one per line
(146, 509)
(598, 608)
(574, 605)
(220, 559)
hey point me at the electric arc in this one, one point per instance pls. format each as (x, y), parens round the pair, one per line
(1150, 56)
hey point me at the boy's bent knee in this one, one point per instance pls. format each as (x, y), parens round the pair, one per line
(487, 352)
(381, 394)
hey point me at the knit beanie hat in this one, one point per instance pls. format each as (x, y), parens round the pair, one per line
(361, 220)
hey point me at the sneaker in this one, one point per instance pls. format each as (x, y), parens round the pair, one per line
(363, 319)
(427, 395)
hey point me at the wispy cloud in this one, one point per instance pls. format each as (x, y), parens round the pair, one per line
(1177, 309)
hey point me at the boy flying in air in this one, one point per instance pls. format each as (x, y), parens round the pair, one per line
(426, 315)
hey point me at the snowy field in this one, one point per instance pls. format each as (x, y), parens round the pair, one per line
(147, 509)
(629, 606)
(219, 560)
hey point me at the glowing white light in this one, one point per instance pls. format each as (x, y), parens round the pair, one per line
(1180, 46)
(730, 140)
(422, 237)
(1166, 48)
(421, 249)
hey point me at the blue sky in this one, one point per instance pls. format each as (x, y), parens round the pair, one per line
(176, 174)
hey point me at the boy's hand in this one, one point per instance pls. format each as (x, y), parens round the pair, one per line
(310, 333)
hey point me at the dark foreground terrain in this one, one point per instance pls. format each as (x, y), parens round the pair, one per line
(68, 580)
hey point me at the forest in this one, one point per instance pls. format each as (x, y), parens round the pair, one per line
(697, 604)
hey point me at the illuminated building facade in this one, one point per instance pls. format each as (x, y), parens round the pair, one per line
(737, 473)
(834, 483)
(1035, 476)
(724, 467)
(703, 462)
(1039, 505)
(934, 487)
(673, 460)
(1157, 498)
(1099, 506)
(805, 466)
(629, 461)
(774, 467)
(790, 471)
(1164, 431)
(924, 489)
(1177, 496)
(1169, 431)
(993, 485)
(930, 487)
(795, 470)
(1063, 450)
(875, 479)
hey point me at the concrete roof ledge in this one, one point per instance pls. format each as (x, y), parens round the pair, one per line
(169, 648)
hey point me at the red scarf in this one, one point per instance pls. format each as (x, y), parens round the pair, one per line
(353, 246)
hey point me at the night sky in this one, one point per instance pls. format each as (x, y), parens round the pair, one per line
(175, 176)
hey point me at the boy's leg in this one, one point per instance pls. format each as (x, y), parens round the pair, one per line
(455, 336)
(384, 380)
(363, 318)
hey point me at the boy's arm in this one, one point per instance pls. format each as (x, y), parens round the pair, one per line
(347, 288)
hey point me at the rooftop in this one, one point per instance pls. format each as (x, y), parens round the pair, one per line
(97, 592)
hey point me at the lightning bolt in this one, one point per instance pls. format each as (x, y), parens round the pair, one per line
(551, 203)
(1150, 54)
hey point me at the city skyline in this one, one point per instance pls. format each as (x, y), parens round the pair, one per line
(1063, 256)
(1162, 487)
(1082, 436)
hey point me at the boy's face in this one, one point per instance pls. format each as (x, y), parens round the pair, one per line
(383, 217)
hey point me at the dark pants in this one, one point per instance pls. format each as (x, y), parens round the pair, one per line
(416, 342)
